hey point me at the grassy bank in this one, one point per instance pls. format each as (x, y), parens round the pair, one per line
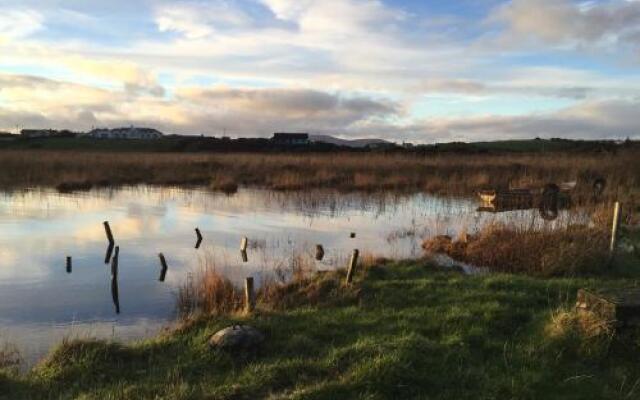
(405, 330)
(448, 173)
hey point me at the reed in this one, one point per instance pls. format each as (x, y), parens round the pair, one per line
(445, 173)
(568, 250)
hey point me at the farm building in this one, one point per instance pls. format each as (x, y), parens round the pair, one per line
(125, 133)
(46, 133)
(290, 139)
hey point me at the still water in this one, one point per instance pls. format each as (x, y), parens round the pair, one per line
(41, 302)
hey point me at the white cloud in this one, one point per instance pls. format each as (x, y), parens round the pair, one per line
(564, 22)
(17, 24)
(196, 20)
(605, 119)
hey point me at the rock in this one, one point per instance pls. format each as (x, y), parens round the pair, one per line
(237, 337)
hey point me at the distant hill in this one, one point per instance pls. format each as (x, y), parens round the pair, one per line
(355, 143)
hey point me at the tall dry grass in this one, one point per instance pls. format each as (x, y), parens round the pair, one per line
(297, 283)
(570, 249)
(446, 173)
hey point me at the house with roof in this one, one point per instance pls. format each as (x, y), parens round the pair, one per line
(125, 133)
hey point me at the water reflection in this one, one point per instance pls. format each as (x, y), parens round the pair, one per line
(39, 302)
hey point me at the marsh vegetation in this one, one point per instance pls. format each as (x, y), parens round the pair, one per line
(455, 174)
(404, 329)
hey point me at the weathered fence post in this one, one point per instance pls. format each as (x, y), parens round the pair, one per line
(614, 231)
(243, 244)
(114, 263)
(199, 241)
(68, 264)
(245, 256)
(249, 295)
(114, 280)
(165, 267)
(319, 252)
(107, 256)
(107, 230)
(352, 265)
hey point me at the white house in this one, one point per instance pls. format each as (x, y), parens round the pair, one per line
(125, 133)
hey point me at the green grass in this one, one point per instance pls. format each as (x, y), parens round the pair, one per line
(413, 331)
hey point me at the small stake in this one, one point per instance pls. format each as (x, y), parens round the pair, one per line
(249, 296)
(114, 280)
(243, 244)
(245, 257)
(68, 264)
(165, 267)
(199, 241)
(107, 230)
(352, 265)
(114, 263)
(614, 231)
(107, 256)
(319, 252)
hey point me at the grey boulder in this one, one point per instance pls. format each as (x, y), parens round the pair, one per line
(237, 337)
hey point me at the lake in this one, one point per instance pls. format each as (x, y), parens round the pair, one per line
(41, 302)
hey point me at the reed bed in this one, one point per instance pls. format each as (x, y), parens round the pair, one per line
(446, 173)
(570, 249)
(288, 285)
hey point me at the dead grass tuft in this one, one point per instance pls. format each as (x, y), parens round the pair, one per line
(547, 252)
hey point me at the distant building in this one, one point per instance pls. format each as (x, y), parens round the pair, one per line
(46, 133)
(37, 133)
(7, 136)
(290, 139)
(125, 133)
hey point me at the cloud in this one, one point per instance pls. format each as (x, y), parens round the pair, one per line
(605, 119)
(37, 102)
(473, 87)
(196, 20)
(289, 103)
(564, 22)
(135, 78)
(17, 23)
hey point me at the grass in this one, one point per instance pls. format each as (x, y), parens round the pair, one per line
(574, 250)
(571, 247)
(404, 330)
(446, 173)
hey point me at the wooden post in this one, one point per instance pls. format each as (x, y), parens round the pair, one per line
(107, 230)
(107, 256)
(243, 244)
(614, 231)
(114, 263)
(353, 235)
(68, 264)
(199, 236)
(165, 267)
(114, 280)
(319, 252)
(352, 265)
(245, 257)
(249, 296)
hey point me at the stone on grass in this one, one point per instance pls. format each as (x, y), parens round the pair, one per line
(237, 337)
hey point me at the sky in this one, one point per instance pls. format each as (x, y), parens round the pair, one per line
(404, 70)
